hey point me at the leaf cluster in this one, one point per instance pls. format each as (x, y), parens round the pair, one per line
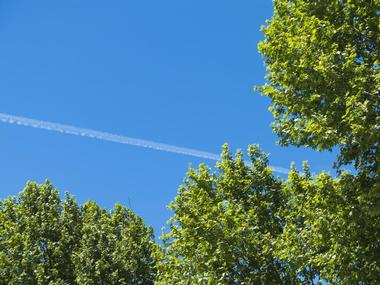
(44, 240)
(242, 225)
(323, 77)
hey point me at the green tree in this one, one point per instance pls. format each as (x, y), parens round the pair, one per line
(327, 234)
(224, 226)
(242, 225)
(323, 77)
(44, 240)
(323, 62)
(31, 245)
(115, 248)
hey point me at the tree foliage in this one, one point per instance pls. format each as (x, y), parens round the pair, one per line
(323, 77)
(242, 225)
(328, 232)
(44, 240)
(224, 224)
(323, 71)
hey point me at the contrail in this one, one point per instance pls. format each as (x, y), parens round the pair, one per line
(66, 129)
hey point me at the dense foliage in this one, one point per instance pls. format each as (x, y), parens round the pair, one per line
(242, 225)
(323, 71)
(328, 232)
(323, 77)
(44, 240)
(224, 225)
(239, 224)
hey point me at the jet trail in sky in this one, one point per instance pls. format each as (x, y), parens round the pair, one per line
(66, 129)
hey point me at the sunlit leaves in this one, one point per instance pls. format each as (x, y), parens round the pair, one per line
(323, 77)
(242, 225)
(224, 225)
(44, 240)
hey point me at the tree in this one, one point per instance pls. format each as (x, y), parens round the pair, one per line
(323, 62)
(224, 226)
(32, 245)
(115, 248)
(323, 77)
(44, 240)
(242, 225)
(327, 234)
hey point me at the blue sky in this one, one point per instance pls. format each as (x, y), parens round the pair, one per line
(175, 72)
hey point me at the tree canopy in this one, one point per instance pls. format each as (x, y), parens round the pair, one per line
(242, 225)
(44, 240)
(223, 226)
(238, 224)
(323, 77)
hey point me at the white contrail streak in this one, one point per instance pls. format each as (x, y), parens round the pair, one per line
(66, 129)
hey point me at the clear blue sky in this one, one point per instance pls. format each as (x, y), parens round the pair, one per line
(176, 72)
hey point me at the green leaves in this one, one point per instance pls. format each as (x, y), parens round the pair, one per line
(242, 225)
(329, 231)
(236, 225)
(323, 77)
(44, 240)
(223, 226)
